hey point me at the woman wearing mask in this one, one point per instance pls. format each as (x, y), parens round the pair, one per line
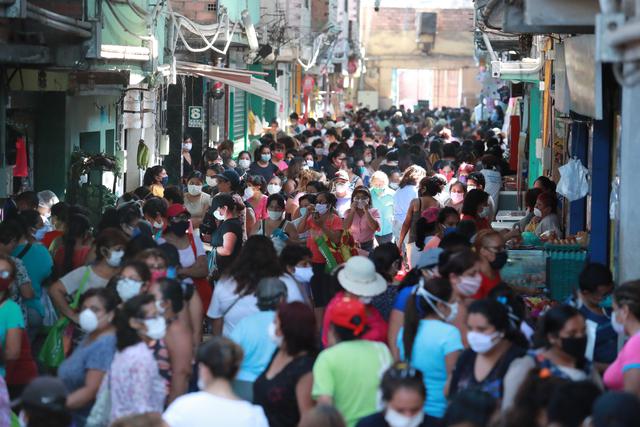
(156, 179)
(37, 260)
(227, 239)
(134, 279)
(76, 245)
(155, 212)
(382, 200)
(274, 186)
(210, 182)
(429, 188)
(218, 363)
(492, 256)
(276, 227)
(174, 352)
(321, 222)
(244, 161)
(234, 295)
(83, 371)
(195, 200)
(295, 261)
(304, 202)
(12, 325)
(429, 342)
(284, 388)
(262, 165)
(476, 208)
(494, 343)
(560, 342)
(193, 259)
(186, 162)
(254, 194)
(404, 395)
(427, 237)
(545, 218)
(342, 192)
(134, 382)
(624, 372)
(362, 220)
(109, 248)
(278, 150)
(456, 196)
(388, 260)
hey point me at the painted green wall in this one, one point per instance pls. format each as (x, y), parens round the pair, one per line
(235, 7)
(535, 105)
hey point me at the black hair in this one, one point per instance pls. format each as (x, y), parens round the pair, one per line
(456, 262)
(129, 212)
(430, 186)
(455, 241)
(445, 213)
(552, 322)
(383, 258)
(531, 197)
(291, 255)
(472, 202)
(401, 375)
(107, 297)
(424, 229)
(30, 198)
(151, 173)
(172, 292)
(143, 193)
(418, 308)
(629, 294)
(155, 206)
(221, 356)
(109, 238)
(571, 403)
(61, 211)
(259, 253)
(126, 336)
(477, 177)
(257, 181)
(505, 295)
(329, 197)
(497, 315)
(470, 407)
(593, 275)
(197, 175)
(173, 194)
(170, 254)
(279, 199)
(309, 197)
(77, 229)
(28, 219)
(224, 199)
(547, 183)
(317, 185)
(40, 417)
(140, 267)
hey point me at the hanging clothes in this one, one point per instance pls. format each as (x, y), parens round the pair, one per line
(21, 169)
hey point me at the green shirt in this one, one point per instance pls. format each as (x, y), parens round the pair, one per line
(349, 373)
(10, 318)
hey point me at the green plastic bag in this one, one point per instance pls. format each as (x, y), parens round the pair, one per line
(58, 343)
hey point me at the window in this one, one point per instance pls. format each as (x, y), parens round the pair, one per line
(212, 7)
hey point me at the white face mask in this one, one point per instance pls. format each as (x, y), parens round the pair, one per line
(396, 419)
(211, 181)
(275, 215)
(273, 189)
(88, 320)
(469, 285)
(321, 208)
(319, 151)
(537, 212)
(218, 215)
(187, 146)
(432, 300)
(156, 327)
(342, 188)
(303, 274)
(194, 190)
(471, 187)
(271, 330)
(244, 163)
(394, 185)
(158, 225)
(482, 343)
(309, 163)
(248, 193)
(617, 326)
(115, 258)
(128, 288)
(159, 306)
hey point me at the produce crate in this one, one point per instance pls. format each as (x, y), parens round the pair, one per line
(564, 264)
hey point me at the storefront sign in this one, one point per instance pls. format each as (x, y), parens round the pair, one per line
(195, 117)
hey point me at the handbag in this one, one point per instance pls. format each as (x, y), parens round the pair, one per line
(57, 344)
(101, 409)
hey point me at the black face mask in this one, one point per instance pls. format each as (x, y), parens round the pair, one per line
(179, 228)
(500, 261)
(574, 347)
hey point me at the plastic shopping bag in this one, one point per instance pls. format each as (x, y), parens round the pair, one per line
(573, 183)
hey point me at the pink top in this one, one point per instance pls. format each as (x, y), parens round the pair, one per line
(628, 358)
(360, 228)
(333, 223)
(376, 325)
(261, 208)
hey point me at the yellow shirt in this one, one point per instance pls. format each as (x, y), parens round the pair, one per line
(157, 190)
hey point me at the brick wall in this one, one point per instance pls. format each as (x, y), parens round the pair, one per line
(196, 10)
(404, 19)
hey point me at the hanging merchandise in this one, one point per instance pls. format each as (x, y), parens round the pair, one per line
(573, 183)
(21, 169)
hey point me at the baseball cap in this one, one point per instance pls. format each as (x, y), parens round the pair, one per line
(231, 176)
(175, 210)
(341, 174)
(348, 313)
(269, 291)
(44, 392)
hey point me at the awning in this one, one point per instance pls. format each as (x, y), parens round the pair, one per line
(240, 79)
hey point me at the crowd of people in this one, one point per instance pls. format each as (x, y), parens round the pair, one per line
(341, 272)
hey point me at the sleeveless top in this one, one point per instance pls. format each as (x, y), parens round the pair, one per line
(415, 216)
(463, 377)
(277, 395)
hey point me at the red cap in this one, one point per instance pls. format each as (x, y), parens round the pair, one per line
(175, 210)
(431, 214)
(348, 313)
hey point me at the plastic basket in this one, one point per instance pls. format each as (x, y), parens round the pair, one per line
(564, 264)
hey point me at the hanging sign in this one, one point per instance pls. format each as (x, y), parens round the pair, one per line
(195, 117)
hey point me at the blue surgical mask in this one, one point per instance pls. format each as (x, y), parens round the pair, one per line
(39, 234)
(449, 230)
(165, 181)
(265, 157)
(303, 211)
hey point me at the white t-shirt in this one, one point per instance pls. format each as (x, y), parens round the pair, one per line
(293, 291)
(187, 259)
(203, 409)
(199, 206)
(73, 279)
